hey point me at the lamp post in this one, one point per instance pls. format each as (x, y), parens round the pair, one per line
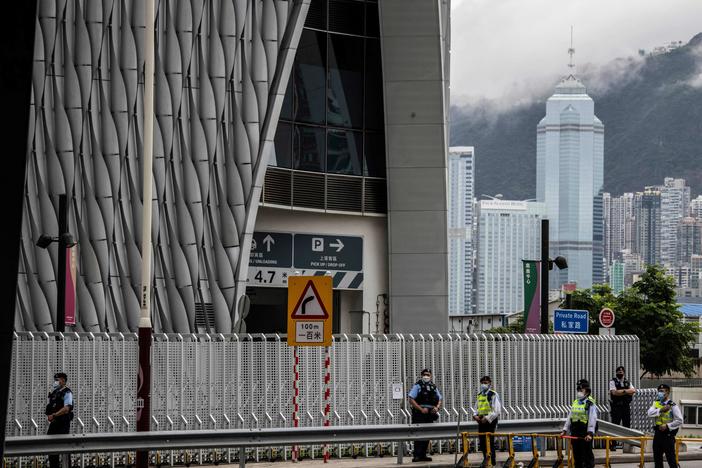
(546, 266)
(65, 241)
(145, 327)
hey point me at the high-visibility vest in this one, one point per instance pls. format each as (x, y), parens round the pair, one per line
(579, 410)
(663, 418)
(485, 403)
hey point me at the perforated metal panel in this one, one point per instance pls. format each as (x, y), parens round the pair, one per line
(245, 381)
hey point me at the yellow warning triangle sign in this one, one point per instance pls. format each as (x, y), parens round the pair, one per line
(310, 305)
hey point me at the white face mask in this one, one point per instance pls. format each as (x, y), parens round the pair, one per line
(484, 387)
(581, 395)
(426, 378)
(55, 385)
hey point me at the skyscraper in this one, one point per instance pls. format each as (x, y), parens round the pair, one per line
(675, 202)
(507, 232)
(616, 276)
(689, 237)
(569, 177)
(647, 211)
(618, 217)
(696, 207)
(460, 229)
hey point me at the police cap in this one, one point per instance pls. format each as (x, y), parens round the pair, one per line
(61, 375)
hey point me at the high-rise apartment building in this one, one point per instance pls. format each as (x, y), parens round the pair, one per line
(696, 208)
(616, 276)
(647, 212)
(507, 233)
(689, 239)
(569, 177)
(675, 202)
(618, 224)
(461, 172)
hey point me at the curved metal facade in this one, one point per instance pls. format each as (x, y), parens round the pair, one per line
(221, 70)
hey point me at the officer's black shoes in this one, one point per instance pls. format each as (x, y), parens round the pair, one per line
(421, 459)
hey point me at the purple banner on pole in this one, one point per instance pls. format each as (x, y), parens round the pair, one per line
(532, 296)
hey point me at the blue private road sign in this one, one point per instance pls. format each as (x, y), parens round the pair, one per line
(571, 321)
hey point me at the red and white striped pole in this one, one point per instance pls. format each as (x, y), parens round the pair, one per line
(327, 396)
(296, 394)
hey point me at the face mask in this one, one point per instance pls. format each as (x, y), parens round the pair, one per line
(55, 385)
(661, 396)
(426, 378)
(581, 395)
(484, 387)
(620, 376)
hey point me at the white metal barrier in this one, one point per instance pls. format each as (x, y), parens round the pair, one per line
(245, 381)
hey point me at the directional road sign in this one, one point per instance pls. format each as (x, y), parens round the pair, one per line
(571, 321)
(322, 252)
(309, 311)
(271, 249)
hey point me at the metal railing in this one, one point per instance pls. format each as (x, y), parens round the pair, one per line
(228, 382)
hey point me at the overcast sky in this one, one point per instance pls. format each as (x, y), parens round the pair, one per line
(505, 47)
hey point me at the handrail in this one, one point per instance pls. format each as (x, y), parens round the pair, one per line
(231, 438)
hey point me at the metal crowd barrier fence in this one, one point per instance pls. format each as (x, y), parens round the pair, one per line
(217, 382)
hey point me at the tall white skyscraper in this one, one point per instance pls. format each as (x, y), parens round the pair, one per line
(569, 178)
(507, 233)
(675, 202)
(460, 230)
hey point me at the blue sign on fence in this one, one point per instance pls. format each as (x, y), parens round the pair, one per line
(571, 321)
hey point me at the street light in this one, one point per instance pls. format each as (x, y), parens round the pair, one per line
(546, 265)
(65, 241)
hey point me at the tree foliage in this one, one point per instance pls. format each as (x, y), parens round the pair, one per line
(649, 310)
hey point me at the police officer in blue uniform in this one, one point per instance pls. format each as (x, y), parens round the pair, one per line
(59, 411)
(487, 413)
(425, 399)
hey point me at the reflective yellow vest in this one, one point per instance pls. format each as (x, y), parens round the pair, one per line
(662, 418)
(579, 411)
(485, 403)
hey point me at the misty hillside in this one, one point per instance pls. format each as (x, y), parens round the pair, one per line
(652, 112)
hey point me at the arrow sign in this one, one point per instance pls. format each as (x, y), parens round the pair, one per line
(310, 305)
(338, 245)
(268, 241)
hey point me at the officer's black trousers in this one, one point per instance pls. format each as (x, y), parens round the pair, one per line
(58, 426)
(664, 442)
(621, 414)
(421, 446)
(582, 454)
(489, 427)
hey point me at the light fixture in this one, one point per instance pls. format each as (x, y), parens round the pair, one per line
(45, 241)
(559, 261)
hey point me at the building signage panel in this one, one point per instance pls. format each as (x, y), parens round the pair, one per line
(328, 252)
(276, 256)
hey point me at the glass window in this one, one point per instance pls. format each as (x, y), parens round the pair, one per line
(345, 99)
(317, 15)
(346, 16)
(286, 111)
(372, 20)
(283, 146)
(344, 149)
(374, 86)
(309, 148)
(374, 155)
(690, 414)
(310, 78)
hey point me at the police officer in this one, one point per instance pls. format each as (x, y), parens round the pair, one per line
(425, 399)
(621, 391)
(581, 423)
(59, 411)
(668, 420)
(488, 405)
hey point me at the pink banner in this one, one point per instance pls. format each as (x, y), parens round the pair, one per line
(71, 278)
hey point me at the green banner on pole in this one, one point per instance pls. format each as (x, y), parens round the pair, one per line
(532, 296)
